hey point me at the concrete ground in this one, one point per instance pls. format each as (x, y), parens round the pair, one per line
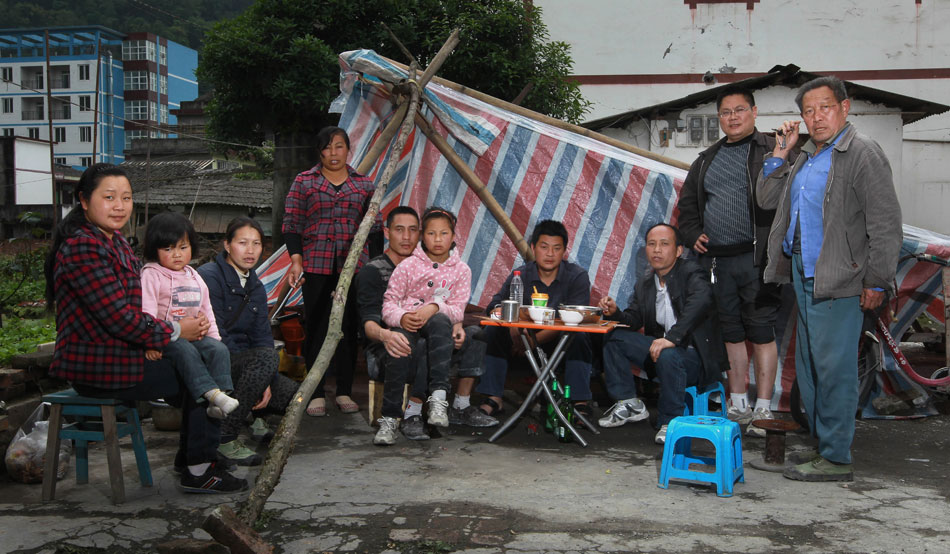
(525, 493)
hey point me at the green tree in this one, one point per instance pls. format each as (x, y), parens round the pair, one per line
(274, 67)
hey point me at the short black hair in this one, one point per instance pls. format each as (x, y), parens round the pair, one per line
(732, 90)
(835, 84)
(241, 222)
(676, 232)
(325, 137)
(435, 212)
(401, 210)
(166, 229)
(550, 228)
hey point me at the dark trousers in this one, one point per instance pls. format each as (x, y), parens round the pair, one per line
(577, 367)
(676, 368)
(204, 364)
(317, 306)
(254, 370)
(200, 434)
(439, 345)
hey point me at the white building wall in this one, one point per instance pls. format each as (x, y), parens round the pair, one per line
(657, 50)
(32, 173)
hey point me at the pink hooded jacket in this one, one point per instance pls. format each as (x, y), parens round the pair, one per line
(418, 281)
(171, 295)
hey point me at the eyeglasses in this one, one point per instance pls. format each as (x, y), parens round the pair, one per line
(824, 109)
(739, 112)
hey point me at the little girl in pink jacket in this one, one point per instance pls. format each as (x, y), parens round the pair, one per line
(426, 298)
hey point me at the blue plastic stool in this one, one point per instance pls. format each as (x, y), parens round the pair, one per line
(697, 403)
(96, 420)
(725, 437)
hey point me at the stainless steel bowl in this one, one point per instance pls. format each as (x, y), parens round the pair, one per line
(591, 314)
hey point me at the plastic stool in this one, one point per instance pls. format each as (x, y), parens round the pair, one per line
(697, 403)
(725, 437)
(96, 420)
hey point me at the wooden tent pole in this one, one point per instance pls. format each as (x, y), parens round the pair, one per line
(385, 137)
(477, 187)
(525, 112)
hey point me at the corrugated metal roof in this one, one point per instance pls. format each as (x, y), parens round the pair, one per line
(186, 182)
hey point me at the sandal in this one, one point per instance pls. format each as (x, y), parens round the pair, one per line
(317, 407)
(496, 409)
(347, 405)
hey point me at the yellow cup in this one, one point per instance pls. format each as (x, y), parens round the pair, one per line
(539, 299)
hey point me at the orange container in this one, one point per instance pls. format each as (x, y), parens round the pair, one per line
(292, 333)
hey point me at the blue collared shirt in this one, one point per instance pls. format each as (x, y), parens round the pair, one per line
(807, 198)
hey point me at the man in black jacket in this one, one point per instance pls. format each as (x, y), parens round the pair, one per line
(722, 222)
(673, 303)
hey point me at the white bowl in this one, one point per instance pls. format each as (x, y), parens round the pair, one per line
(537, 313)
(570, 317)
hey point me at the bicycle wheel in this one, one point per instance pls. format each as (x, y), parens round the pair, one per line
(870, 362)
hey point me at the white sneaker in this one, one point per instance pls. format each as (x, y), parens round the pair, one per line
(438, 412)
(660, 437)
(386, 435)
(741, 417)
(624, 412)
(760, 413)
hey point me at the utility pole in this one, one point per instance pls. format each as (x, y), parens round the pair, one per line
(49, 113)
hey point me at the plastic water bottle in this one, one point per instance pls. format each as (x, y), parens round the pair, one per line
(516, 289)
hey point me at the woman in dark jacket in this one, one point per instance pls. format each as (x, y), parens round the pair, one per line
(240, 308)
(92, 278)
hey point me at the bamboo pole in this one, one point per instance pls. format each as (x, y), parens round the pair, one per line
(477, 187)
(385, 137)
(525, 112)
(283, 442)
(439, 59)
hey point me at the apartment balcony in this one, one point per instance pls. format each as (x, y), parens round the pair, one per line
(62, 113)
(32, 83)
(33, 115)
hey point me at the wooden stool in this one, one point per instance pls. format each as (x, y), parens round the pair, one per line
(375, 409)
(96, 420)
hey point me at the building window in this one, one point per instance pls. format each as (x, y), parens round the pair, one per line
(84, 72)
(136, 109)
(163, 80)
(8, 132)
(85, 161)
(8, 105)
(7, 73)
(162, 55)
(152, 111)
(60, 134)
(85, 134)
(164, 112)
(136, 80)
(138, 50)
(60, 161)
(85, 103)
(34, 132)
(129, 135)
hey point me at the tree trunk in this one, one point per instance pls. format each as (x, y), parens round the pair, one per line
(293, 153)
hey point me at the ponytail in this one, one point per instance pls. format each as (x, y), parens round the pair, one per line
(75, 219)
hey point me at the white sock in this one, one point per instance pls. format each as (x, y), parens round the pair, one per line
(221, 401)
(199, 469)
(461, 402)
(763, 403)
(413, 409)
(438, 395)
(740, 400)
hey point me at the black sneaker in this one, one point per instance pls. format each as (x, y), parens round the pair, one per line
(214, 480)
(414, 429)
(180, 466)
(471, 416)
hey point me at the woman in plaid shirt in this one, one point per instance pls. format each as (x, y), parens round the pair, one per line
(92, 277)
(322, 213)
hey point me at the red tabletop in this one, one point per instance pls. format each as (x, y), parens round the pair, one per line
(602, 327)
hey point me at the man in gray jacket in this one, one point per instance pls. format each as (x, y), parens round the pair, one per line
(836, 237)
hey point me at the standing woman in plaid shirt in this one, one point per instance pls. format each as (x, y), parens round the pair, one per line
(322, 213)
(92, 277)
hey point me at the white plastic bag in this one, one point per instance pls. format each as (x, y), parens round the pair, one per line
(26, 455)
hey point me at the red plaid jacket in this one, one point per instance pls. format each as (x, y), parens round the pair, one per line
(326, 218)
(101, 331)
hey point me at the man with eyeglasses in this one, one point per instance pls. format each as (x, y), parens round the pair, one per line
(720, 220)
(836, 237)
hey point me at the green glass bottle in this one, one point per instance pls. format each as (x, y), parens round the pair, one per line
(567, 409)
(550, 420)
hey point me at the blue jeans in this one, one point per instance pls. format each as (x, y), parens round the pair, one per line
(826, 364)
(676, 368)
(203, 364)
(576, 367)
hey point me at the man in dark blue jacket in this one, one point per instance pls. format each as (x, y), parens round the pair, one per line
(673, 303)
